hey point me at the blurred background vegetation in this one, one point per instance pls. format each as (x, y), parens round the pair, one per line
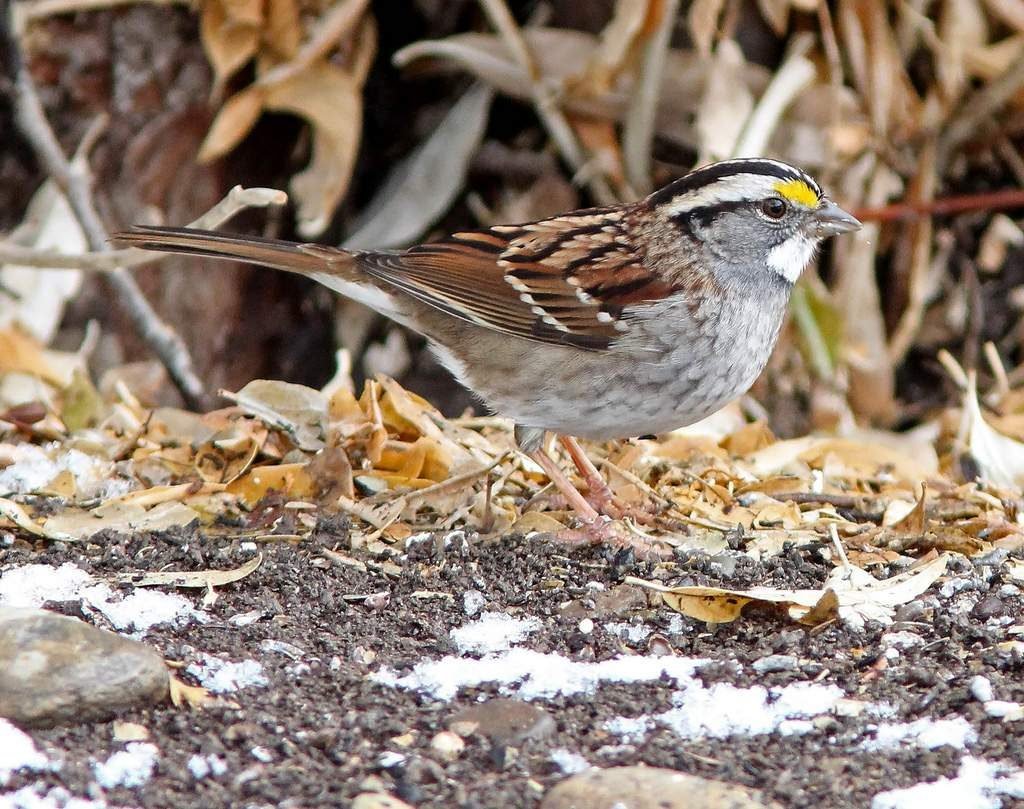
(393, 122)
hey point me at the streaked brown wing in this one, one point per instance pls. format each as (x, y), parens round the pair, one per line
(564, 280)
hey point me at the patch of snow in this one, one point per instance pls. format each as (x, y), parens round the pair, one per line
(222, 676)
(33, 797)
(981, 688)
(1007, 711)
(493, 632)
(32, 585)
(535, 675)
(925, 733)
(19, 752)
(631, 729)
(978, 784)
(34, 468)
(723, 710)
(569, 762)
(203, 766)
(472, 602)
(131, 767)
(634, 633)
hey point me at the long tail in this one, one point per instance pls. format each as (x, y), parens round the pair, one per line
(305, 259)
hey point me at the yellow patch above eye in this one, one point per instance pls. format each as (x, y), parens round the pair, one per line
(797, 191)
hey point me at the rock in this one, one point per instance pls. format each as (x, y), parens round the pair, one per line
(56, 669)
(648, 788)
(504, 721)
(378, 800)
(621, 600)
(990, 606)
(772, 663)
(447, 745)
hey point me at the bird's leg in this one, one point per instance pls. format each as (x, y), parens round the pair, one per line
(577, 502)
(596, 528)
(601, 496)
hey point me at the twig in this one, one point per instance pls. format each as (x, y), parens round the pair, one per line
(920, 244)
(638, 131)
(73, 181)
(995, 362)
(545, 102)
(796, 73)
(965, 203)
(978, 111)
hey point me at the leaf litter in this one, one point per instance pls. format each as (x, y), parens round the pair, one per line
(283, 457)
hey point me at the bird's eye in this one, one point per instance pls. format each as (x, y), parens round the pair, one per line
(773, 208)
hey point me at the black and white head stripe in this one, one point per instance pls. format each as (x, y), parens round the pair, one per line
(744, 180)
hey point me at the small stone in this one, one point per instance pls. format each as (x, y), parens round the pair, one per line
(378, 800)
(990, 606)
(447, 745)
(586, 626)
(901, 640)
(981, 689)
(506, 721)
(649, 788)
(130, 732)
(56, 669)
(772, 663)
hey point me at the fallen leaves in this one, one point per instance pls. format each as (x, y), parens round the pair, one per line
(850, 594)
(294, 74)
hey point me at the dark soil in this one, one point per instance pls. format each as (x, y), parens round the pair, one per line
(326, 725)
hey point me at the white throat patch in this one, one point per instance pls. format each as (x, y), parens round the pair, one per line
(791, 258)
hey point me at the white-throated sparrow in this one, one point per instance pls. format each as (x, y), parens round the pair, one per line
(601, 323)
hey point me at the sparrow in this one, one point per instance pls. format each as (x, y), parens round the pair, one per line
(601, 323)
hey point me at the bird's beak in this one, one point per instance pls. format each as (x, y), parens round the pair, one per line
(833, 220)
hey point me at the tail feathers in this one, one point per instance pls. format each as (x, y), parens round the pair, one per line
(304, 259)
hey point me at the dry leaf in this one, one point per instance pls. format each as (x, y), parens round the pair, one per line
(189, 696)
(191, 578)
(297, 410)
(854, 593)
(331, 100)
(122, 518)
(230, 32)
(292, 480)
(234, 120)
(17, 515)
(1000, 459)
(420, 188)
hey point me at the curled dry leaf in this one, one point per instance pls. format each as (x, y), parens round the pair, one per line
(850, 593)
(300, 81)
(1000, 458)
(297, 410)
(230, 32)
(121, 518)
(331, 99)
(191, 578)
